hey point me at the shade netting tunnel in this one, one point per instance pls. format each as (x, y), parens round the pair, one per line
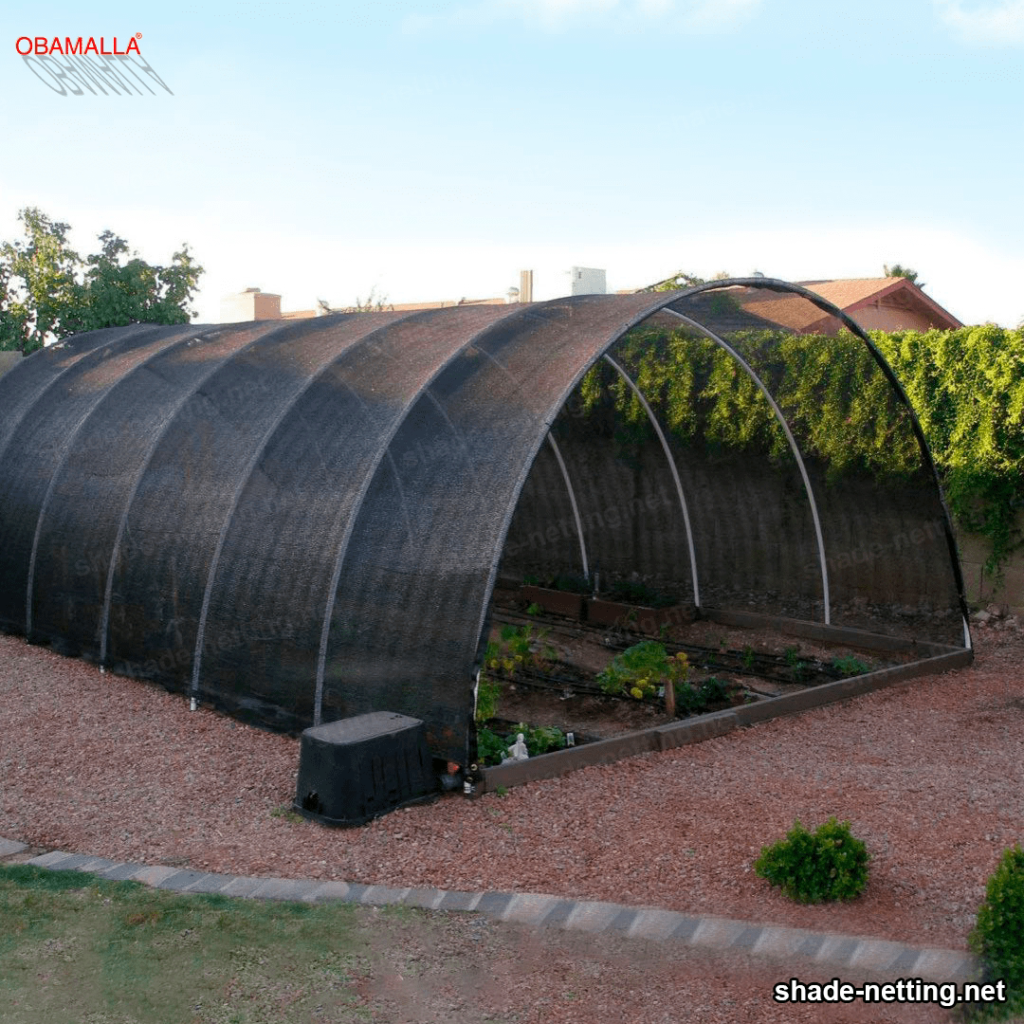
(300, 521)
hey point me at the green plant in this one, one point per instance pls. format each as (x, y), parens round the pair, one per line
(487, 693)
(523, 644)
(849, 666)
(695, 699)
(501, 790)
(798, 667)
(491, 747)
(998, 934)
(538, 740)
(748, 657)
(828, 864)
(571, 583)
(518, 648)
(641, 670)
(534, 609)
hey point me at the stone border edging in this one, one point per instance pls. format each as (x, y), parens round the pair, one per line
(839, 952)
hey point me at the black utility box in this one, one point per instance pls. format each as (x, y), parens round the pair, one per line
(358, 768)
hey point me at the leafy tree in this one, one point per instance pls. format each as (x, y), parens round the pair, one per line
(47, 291)
(898, 271)
(680, 279)
(121, 289)
(46, 304)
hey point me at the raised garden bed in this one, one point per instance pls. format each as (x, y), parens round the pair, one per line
(556, 602)
(768, 665)
(639, 618)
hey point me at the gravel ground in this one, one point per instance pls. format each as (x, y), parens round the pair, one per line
(930, 774)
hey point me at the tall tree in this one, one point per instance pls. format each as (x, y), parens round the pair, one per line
(48, 292)
(46, 302)
(122, 289)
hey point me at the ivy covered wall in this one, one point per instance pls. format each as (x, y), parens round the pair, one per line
(967, 387)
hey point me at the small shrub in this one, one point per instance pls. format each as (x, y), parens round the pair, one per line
(849, 666)
(490, 747)
(795, 664)
(828, 864)
(998, 935)
(533, 608)
(519, 648)
(695, 699)
(641, 670)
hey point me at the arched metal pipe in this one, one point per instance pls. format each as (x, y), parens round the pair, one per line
(794, 447)
(671, 465)
(572, 501)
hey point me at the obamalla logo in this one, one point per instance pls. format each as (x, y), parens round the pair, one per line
(72, 65)
(43, 46)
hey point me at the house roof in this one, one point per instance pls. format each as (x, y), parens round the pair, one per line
(850, 295)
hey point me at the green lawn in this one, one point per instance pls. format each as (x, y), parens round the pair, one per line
(82, 951)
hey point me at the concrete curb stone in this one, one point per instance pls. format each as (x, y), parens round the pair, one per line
(538, 910)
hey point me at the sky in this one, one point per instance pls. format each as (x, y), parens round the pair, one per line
(422, 151)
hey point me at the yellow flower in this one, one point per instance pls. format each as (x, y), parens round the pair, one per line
(637, 692)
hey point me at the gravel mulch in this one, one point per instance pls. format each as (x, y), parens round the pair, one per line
(930, 774)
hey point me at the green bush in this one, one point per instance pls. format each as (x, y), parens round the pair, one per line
(519, 648)
(538, 740)
(695, 699)
(640, 670)
(849, 666)
(492, 747)
(998, 935)
(828, 864)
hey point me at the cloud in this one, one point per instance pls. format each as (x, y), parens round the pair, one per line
(560, 15)
(1000, 23)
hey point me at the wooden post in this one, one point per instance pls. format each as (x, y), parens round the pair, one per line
(670, 698)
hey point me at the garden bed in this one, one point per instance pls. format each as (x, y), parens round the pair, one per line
(547, 672)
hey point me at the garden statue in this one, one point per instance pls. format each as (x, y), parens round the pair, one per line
(517, 752)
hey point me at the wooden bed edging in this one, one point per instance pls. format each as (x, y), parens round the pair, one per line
(819, 631)
(718, 723)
